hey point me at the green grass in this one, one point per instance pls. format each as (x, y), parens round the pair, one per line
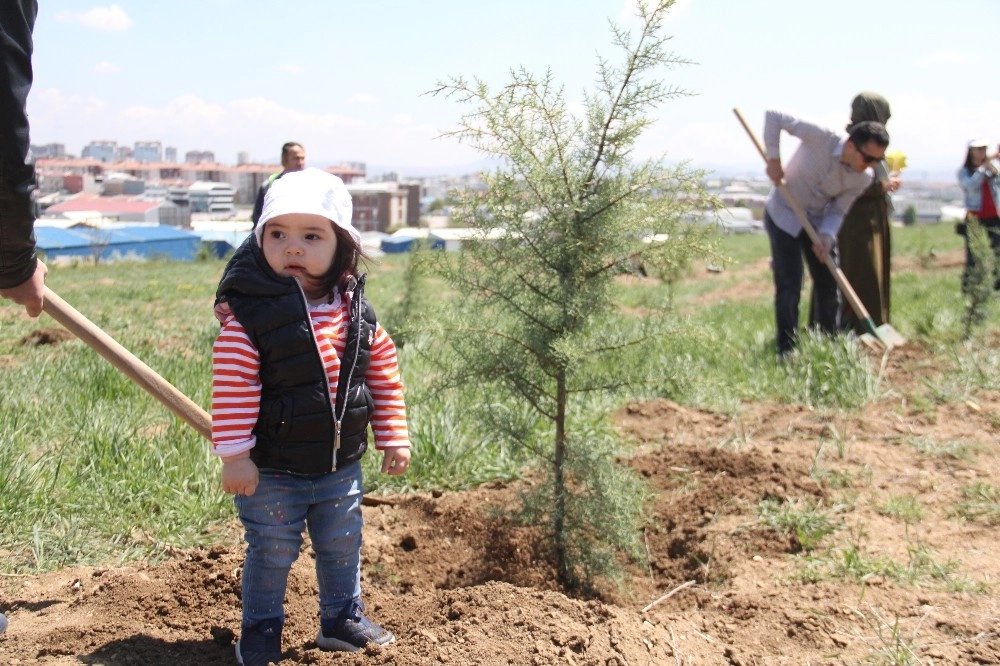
(855, 563)
(980, 501)
(806, 520)
(906, 508)
(94, 471)
(950, 450)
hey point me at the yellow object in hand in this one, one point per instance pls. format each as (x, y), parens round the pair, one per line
(896, 160)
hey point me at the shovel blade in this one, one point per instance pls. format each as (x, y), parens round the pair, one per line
(884, 337)
(873, 343)
(889, 336)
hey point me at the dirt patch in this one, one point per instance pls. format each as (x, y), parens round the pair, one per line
(460, 584)
(46, 336)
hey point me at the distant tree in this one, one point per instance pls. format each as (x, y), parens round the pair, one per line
(538, 326)
(98, 241)
(910, 215)
(437, 205)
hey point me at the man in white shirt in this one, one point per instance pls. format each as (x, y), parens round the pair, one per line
(825, 175)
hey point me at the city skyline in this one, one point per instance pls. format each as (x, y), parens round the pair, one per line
(350, 82)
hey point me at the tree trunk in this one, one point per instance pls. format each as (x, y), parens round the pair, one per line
(559, 483)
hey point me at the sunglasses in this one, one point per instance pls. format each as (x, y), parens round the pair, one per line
(868, 158)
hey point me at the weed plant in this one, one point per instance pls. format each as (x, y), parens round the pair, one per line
(950, 450)
(806, 520)
(906, 508)
(980, 500)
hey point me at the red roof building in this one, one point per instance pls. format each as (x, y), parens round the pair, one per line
(126, 209)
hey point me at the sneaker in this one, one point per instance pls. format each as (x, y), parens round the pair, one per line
(351, 631)
(260, 644)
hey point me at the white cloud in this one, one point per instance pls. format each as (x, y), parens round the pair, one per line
(109, 19)
(292, 69)
(105, 67)
(258, 125)
(183, 111)
(51, 102)
(361, 98)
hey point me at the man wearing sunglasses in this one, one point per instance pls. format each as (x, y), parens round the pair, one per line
(827, 172)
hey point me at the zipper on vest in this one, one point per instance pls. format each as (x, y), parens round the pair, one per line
(355, 311)
(355, 315)
(326, 378)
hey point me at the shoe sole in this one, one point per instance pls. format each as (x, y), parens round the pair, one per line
(337, 645)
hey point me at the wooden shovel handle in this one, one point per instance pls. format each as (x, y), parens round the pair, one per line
(125, 361)
(838, 275)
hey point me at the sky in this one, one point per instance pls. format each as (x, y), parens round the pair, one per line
(350, 80)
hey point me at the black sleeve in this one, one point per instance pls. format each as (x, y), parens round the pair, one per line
(17, 224)
(258, 205)
(17, 179)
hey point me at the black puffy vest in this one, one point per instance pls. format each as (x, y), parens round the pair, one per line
(297, 429)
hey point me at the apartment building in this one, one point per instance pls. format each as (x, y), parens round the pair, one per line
(378, 206)
(382, 206)
(148, 151)
(210, 197)
(198, 156)
(102, 151)
(53, 150)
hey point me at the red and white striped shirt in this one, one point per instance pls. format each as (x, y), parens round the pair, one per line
(236, 383)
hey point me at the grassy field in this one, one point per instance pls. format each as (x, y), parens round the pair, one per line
(94, 471)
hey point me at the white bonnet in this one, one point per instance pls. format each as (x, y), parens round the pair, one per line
(311, 191)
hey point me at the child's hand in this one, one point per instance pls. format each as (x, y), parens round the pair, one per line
(222, 312)
(239, 475)
(395, 460)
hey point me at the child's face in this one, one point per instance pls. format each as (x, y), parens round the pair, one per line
(301, 246)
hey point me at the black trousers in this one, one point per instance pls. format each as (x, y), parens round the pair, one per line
(787, 254)
(17, 179)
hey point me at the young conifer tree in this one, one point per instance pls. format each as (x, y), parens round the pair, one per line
(538, 323)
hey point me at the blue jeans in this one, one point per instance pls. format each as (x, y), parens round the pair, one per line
(786, 264)
(275, 516)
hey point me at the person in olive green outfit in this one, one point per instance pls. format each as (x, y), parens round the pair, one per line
(864, 237)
